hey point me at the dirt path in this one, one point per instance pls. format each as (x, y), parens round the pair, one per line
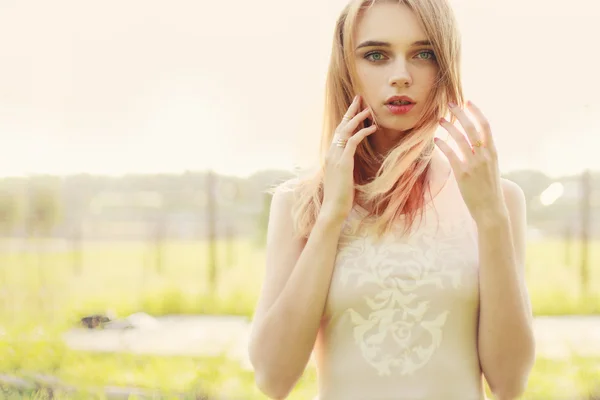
(557, 337)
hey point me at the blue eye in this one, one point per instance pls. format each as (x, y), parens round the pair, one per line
(374, 56)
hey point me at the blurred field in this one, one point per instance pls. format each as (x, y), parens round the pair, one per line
(576, 379)
(44, 293)
(123, 277)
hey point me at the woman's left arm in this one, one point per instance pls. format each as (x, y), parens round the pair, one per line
(506, 341)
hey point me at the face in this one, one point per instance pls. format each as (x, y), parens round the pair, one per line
(393, 58)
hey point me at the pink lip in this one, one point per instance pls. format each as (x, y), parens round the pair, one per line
(399, 110)
(399, 98)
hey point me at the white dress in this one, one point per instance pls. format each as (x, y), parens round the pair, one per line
(401, 315)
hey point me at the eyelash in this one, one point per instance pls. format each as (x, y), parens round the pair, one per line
(421, 52)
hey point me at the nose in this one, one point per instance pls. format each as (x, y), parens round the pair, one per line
(400, 75)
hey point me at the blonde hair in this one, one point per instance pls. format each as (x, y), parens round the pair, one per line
(392, 186)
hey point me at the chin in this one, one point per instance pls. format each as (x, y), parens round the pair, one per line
(398, 124)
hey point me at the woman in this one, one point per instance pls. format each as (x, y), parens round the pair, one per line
(400, 263)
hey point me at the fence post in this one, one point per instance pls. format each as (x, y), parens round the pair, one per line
(211, 219)
(585, 231)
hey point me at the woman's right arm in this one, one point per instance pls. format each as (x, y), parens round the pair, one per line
(288, 315)
(298, 272)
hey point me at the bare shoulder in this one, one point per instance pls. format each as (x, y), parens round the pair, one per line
(287, 187)
(285, 194)
(513, 195)
(516, 205)
(280, 226)
(283, 247)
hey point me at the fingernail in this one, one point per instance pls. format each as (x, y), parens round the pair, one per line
(452, 104)
(442, 120)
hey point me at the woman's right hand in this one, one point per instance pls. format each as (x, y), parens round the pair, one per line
(338, 185)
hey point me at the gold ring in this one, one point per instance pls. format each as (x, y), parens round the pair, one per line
(341, 142)
(478, 143)
(345, 118)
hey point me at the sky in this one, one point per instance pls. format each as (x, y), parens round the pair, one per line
(146, 86)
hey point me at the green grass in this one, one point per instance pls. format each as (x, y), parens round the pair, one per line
(555, 283)
(574, 379)
(123, 277)
(48, 292)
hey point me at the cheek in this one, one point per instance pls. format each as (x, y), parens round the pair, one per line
(427, 77)
(368, 80)
(372, 81)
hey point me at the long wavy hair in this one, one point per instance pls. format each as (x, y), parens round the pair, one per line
(390, 186)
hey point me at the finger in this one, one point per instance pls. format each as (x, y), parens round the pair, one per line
(335, 147)
(484, 125)
(352, 110)
(353, 124)
(466, 122)
(455, 162)
(458, 137)
(354, 141)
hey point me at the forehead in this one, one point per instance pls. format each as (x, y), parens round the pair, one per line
(390, 22)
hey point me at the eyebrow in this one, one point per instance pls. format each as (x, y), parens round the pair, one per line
(375, 43)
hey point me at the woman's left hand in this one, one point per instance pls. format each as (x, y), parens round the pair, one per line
(477, 173)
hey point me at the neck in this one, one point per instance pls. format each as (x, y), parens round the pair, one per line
(382, 142)
(386, 139)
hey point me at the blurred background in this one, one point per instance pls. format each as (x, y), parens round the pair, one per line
(137, 142)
